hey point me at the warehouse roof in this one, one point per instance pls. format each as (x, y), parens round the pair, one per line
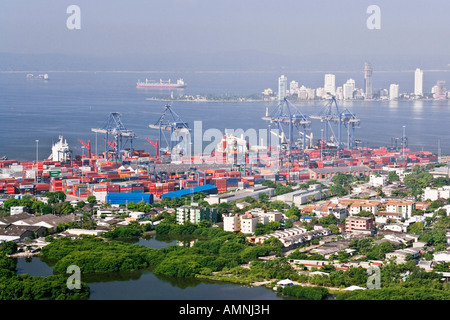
(341, 169)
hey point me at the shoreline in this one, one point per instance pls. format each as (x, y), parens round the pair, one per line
(203, 100)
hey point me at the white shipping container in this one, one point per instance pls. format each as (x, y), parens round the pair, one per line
(30, 174)
(16, 168)
(26, 186)
(100, 196)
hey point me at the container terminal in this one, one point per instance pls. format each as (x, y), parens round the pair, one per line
(121, 173)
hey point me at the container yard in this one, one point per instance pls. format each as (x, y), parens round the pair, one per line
(82, 177)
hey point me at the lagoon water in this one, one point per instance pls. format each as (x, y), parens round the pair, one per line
(145, 285)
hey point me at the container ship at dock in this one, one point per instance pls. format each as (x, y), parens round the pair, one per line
(152, 84)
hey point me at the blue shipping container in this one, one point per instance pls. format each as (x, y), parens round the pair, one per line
(207, 188)
(119, 197)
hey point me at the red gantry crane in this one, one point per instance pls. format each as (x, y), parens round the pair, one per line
(87, 146)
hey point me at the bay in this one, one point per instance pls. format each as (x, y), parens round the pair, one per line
(72, 103)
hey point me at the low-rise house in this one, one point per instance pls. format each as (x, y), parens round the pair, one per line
(135, 216)
(441, 256)
(242, 205)
(384, 217)
(422, 205)
(340, 212)
(330, 248)
(419, 244)
(81, 232)
(293, 236)
(435, 194)
(378, 180)
(16, 217)
(406, 239)
(401, 255)
(18, 209)
(285, 283)
(49, 221)
(20, 233)
(447, 209)
(352, 288)
(415, 219)
(427, 265)
(396, 227)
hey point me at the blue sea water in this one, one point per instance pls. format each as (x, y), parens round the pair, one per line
(72, 103)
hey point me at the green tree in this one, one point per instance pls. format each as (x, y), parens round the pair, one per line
(416, 228)
(91, 200)
(80, 205)
(293, 211)
(269, 183)
(63, 208)
(393, 176)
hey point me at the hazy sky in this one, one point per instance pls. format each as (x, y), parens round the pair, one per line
(291, 27)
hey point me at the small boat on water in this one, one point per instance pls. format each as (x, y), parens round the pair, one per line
(31, 76)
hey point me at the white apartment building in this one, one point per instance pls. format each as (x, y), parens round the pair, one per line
(293, 87)
(418, 82)
(434, 194)
(248, 224)
(232, 223)
(377, 181)
(330, 84)
(302, 93)
(348, 89)
(364, 205)
(405, 207)
(393, 92)
(282, 87)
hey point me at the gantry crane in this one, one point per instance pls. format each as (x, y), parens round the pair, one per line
(114, 127)
(287, 115)
(172, 122)
(87, 146)
(331, 116)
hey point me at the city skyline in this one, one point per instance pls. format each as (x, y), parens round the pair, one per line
(349, 91)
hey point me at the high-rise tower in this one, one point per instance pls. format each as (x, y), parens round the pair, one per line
(368, 93)
(393, 91)
(330, 84)
(282, 87)
(418, 82)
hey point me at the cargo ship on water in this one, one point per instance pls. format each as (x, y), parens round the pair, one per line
(31, 76)
(152, 84)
